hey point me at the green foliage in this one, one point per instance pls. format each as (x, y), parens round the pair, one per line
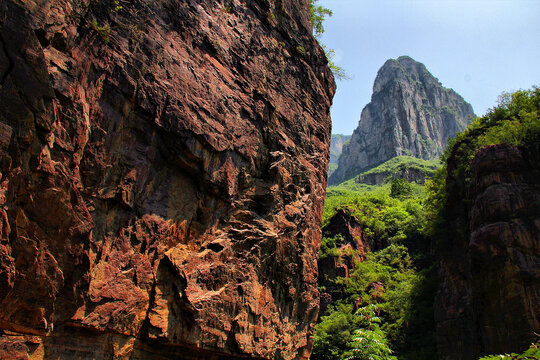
(329, 246)
(397, 163)
(533, 353)
(389, 280)
(369, 342)
(103, 31)
(391, 169)
(385, 219)
(399, 278)
(516, 120)
(400, 188)
(348, 191)
(435, 200)
(317, 15)
(402, 220)
(334, 333)
(116, 7)
(301, 50)
(338, 71)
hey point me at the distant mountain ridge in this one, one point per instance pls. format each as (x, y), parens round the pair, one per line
(336, 147)
(410, 113)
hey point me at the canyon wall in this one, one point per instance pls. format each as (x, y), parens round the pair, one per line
(410, 113)
(489, 279)
(163, 171)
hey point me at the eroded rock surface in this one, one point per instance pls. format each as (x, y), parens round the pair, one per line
(411, 174)
(489, 269)
(410, 113)
(163, 175)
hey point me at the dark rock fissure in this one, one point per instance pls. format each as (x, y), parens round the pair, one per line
(10, 66)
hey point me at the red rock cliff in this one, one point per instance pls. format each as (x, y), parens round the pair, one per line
(163, 170)
(489, 292)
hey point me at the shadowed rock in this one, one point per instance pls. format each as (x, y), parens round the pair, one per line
(489, 291)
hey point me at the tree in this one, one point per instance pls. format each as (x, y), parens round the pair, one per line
(370, 342)
(400, 188)
(318, 14)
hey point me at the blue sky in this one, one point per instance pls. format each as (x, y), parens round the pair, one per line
(479, 48)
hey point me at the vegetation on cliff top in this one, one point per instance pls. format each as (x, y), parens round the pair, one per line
(515, 120)
(404, 162)
(532, 353)
(318, 14)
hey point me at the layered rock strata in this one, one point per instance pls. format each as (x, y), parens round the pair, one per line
(163, 171)
(489, 264)
(410, 113)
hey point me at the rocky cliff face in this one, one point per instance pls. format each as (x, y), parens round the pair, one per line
(410, 113)
(489, 293)
(163, 170)
(378, 178)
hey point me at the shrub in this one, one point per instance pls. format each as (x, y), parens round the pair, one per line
(369, 342)
(533, 353)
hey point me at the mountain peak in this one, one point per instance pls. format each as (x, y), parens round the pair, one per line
(404, 68)
(410, 113)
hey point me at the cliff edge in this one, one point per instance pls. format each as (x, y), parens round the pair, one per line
(163, 171)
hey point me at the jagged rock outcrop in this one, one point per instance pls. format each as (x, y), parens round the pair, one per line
(378, 178)
(163, 171)
(410, 113)
(489, 261)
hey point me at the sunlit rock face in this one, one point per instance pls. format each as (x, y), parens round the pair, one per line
(163, 170)
(489, 266)
(410, 113)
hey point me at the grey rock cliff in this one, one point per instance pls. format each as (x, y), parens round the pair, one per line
(410, 113)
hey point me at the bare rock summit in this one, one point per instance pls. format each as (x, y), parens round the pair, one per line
(410, 113)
